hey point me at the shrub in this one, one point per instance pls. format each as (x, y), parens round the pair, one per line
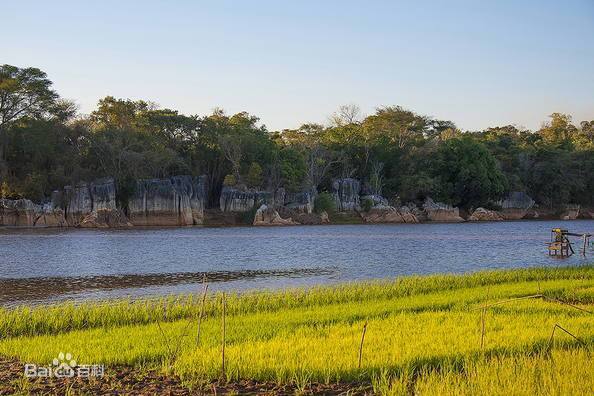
(229, 181)
(248, 217)
(324, 202)
(254, 176)
(367, 204)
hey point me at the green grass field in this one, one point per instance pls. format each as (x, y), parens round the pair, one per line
(424, 335)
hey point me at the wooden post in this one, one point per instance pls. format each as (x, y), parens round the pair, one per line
(223, 337)
(204, 291)
(361, 346)
(585, 244)
(483, 328)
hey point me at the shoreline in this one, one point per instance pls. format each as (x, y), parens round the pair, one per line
(168, 227)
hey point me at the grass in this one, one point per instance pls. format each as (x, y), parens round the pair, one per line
(423, 334)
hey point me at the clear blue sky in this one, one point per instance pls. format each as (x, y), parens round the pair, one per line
(477, 63)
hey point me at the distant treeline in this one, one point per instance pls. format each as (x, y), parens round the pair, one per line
(45, 144)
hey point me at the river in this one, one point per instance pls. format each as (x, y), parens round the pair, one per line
(40, 266)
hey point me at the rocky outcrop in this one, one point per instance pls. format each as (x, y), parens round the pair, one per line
(19, 213)
(441, 212)
(408, 215)
(388, 214)
(570, 212)
(302, 202)
(25, 213)
(482, 214)
(375, 199)
(516, 205)
(84, 198)
(346, 194)
(267, 216)
(106, 218)
(51, 216)
(176, 201)
(236, 200)
(301, 217)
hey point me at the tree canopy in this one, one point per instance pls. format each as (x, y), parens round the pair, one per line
(396, 152)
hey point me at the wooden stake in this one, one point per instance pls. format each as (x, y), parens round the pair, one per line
(483, 328)
(204, 291)
(223, 338)
(361, 346)
(557, 326)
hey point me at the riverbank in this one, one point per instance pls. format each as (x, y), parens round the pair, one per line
(423, 335)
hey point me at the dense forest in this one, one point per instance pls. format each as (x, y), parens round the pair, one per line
(46, 144)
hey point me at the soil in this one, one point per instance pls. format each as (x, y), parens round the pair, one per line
(131, 381)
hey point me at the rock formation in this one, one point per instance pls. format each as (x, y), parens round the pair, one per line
(302, 202)
(407, 215)
(106, 218)
(267, 215)
(516, 205)
(570, 212)
(441, 212)
(236, 200)
(482, 214)
(376, 200)
(50, 216)
(177, 201)
(84, 198)
(25, 213)
(346, 194)
(20, 212)
(388, 214)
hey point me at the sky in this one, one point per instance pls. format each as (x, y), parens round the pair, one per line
(477, 63)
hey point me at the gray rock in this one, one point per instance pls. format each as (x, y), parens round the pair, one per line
(346, 194)
(516, 205)
(176, 201)
(441, 212)
(84, 198)
(302, 202)
(235, 200)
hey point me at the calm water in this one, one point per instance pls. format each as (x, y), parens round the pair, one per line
(39, 266)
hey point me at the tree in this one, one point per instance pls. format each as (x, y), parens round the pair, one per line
(559, 130)
(397, 123)
(24, 93)
(231, 146)
(254, 175)
(468, 174)
(346, 114)
(292, 168)
(120, 114)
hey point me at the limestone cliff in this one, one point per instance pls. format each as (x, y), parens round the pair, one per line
(346, 194)
(302, 202)
(516, 205)
(25, 213)
(84, 198)
(176, 201)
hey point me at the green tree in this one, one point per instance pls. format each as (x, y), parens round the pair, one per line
(24, 93)
(468, 174)
(324, 202)
(559, 130)
(254, 175)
